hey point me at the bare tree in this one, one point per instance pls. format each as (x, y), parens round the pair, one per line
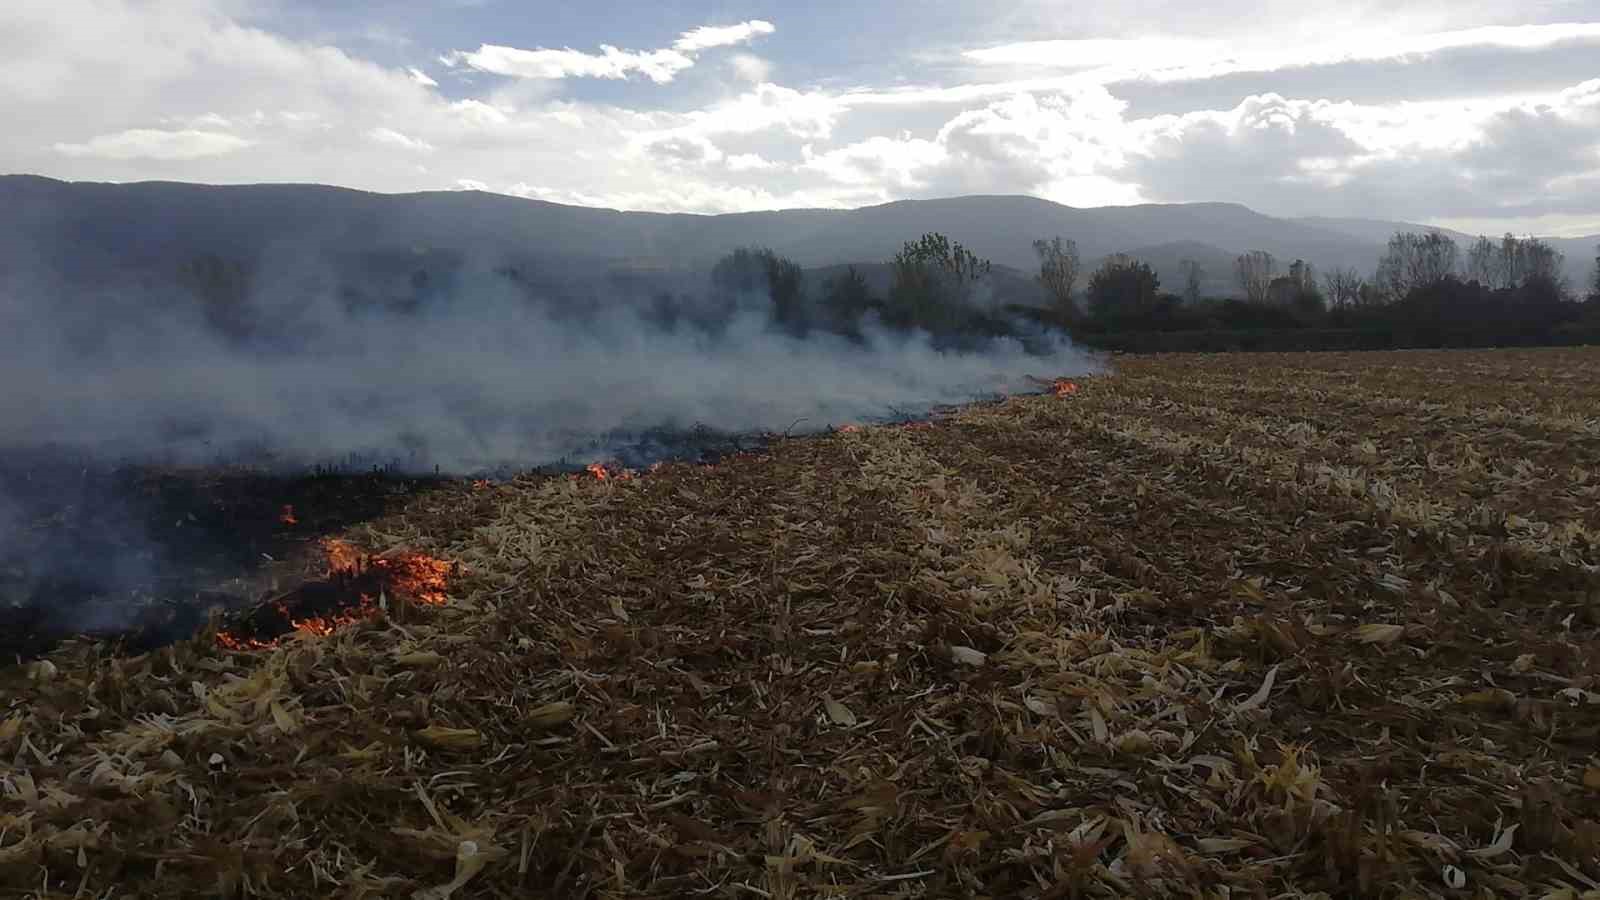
(1415, 260)
(1058, 269)
(1191, 280)
(1343, 286)
(1511, 261)
(1483, 263)
(1255, 271)
(1525, 258)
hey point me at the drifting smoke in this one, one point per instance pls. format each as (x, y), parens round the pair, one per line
(294, 360)
(478, 379)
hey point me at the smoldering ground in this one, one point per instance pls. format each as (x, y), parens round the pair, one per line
(300, 367)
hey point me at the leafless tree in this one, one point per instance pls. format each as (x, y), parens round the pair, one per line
(1343, 286)
(1414, 260)
(1511, 261)
(1058, 269)
(1255, 271)
(1191, 280)
(1529, 257)
(1483, 262)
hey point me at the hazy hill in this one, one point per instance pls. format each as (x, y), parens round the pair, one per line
(96, 231)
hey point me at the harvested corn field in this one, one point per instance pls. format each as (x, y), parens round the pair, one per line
(1206, 626)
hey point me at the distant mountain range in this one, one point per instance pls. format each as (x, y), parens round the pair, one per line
(94, 231)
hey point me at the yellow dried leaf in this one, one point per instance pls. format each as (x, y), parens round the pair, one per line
(1223, 845)
(1378, 633)
(1135, 743)
(1492, 698)
(1591, 779)
(838, 712)
(421, 659)
(446, 738)
(551, 714)
(282, 719)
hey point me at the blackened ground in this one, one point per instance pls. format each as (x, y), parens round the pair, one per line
(134, 554)
(138, 555)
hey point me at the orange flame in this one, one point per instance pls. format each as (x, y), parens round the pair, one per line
(416, 575)
(603, 472)
(849, 429)
(482, 484)
(1065, 388)
(287, 515)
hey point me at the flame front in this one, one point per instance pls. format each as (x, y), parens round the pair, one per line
(1065, 387)
(356, 582)
(286, 516)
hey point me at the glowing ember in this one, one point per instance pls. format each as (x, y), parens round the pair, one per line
(349, 593)
(287, 515)
(1065, 388)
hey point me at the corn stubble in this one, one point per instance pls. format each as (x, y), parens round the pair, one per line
(1316, 625)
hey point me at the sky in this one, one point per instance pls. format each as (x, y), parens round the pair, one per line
(1478, 116)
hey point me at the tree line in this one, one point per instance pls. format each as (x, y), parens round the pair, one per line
(1424, 292)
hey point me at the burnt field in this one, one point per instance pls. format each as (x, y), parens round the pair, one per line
(136, 556)
(1264, 625)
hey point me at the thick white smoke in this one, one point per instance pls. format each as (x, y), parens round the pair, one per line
(480, 379)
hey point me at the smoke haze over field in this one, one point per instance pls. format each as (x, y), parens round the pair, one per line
(476, 379)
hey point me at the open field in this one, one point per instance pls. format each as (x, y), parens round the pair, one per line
(1210, 626)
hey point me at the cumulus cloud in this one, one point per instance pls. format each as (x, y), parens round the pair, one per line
(1511, 158)
(151, 143)
(660, 66)
(750, 67)
(127, 90)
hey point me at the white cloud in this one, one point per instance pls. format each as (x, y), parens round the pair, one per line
(660, 66)
(1094, 52)
(470, 184)
(807, 114)
(395, 139)
(124, 89)
(1165, 59)
(749, 162)
(421, 77)
(708, 36)
(150, 143)
(750, 67)
(884, 162)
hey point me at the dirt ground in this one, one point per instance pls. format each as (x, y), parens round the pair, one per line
(1213, 626)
